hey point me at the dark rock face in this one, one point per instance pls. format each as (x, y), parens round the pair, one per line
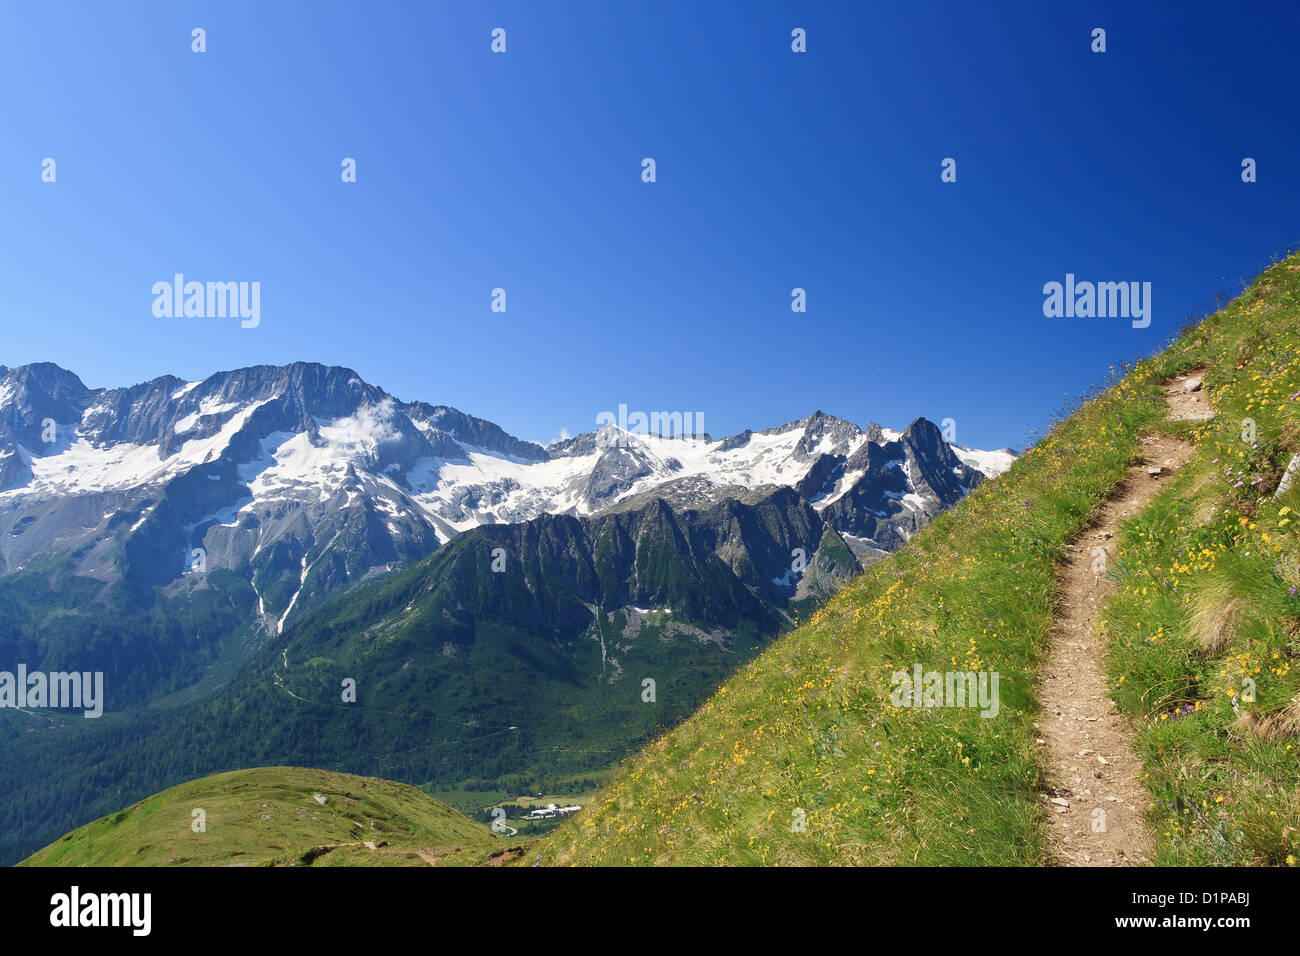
(713, 567)
(459, 427)
(34, 395)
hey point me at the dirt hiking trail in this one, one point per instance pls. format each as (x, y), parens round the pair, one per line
(1094, 795)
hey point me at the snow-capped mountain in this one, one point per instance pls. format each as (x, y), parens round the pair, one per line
(307, 479)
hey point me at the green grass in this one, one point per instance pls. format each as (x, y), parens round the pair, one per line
(1209, 576)
(270, 816)
(807, 734)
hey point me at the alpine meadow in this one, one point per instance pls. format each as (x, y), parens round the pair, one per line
(486, 435)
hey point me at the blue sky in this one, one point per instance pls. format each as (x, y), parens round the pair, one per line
(522, 170)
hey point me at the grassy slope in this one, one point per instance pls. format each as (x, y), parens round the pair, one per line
(807, 732)
(1210, 576)
(157, 831)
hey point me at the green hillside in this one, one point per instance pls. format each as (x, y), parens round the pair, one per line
(470, 683)
(279, 816)
(801, 758)
(1204, 633)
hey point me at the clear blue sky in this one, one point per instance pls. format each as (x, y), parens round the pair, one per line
(523, 170)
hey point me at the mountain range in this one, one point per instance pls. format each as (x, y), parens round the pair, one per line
(243, 544)
(315, 480)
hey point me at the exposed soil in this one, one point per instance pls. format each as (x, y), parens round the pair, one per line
(504, 857)
(1095, 795)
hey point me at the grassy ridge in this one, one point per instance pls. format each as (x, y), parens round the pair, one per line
(270, 816)
(802, 759)
(1208, 615)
